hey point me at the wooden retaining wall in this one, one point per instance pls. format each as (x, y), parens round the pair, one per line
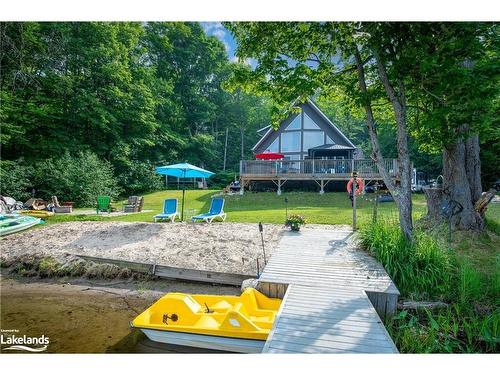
(169, 272)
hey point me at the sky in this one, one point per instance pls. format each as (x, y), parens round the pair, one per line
(220, 32)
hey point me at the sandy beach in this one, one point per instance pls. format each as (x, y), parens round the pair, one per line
(223, 247)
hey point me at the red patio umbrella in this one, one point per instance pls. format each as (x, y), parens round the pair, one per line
(269, 156)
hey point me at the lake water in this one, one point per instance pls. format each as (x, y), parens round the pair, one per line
(77, 319)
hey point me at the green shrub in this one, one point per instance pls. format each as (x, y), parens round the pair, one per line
(451, 330)
(15, 180)
(221, 179)
(420, 268)
(48, 267)
(79, 178)
(140, 177)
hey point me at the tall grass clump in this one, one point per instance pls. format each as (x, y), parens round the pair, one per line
(421, 268)
(451, 330)
(469, 286)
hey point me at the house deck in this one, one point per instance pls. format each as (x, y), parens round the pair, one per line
(321, 171)
(334, 296)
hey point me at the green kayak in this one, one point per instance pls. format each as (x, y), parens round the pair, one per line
(14, 223)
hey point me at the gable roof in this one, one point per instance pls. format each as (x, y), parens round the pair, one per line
(316, 109)
(330, 146)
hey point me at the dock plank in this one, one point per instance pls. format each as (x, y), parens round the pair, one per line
(326, 308)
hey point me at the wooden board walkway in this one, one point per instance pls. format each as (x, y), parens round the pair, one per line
(333, 295)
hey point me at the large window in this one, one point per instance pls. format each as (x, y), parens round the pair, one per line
(313, 139)
(290, 166)
(290, 141)
(274, 147)
(329, 140)
(309, 123)
(295, 124)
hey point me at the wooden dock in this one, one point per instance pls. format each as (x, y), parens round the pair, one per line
(334, 295)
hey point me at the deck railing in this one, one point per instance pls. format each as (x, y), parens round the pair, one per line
(315, 168)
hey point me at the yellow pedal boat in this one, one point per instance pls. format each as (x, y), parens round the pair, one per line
(228, 323)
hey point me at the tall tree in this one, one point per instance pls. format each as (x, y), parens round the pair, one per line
(135, 94)
(297, 59)
(455, 88)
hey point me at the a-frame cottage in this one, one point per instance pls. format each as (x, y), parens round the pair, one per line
(313, 149)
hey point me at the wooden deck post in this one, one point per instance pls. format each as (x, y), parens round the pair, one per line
(242, 186)
(242, 181)
(322, 187)
(354, 188)
(279, 187)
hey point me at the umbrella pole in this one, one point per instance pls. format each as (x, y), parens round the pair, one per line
(182, 210)
(183, 192)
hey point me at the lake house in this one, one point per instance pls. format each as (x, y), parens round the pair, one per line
(313, 149)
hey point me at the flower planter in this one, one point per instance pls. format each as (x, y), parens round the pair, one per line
(294, 222)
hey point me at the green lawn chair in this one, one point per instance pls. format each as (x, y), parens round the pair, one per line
(103, 204)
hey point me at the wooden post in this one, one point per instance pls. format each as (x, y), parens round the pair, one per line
(242, 182)
(242, 186)
(354, 188)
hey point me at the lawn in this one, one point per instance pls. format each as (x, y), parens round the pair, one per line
(464, 273)
(329, 208)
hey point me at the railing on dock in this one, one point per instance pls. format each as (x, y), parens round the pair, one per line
(315, 168)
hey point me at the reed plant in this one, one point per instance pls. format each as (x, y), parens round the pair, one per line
(427, 268)
(420, 268)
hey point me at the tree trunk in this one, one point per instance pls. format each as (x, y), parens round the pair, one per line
(225, 150)
(473, 166)
(461, 182)
(398, 102)
(434, 198)
(402, 193)
(242, 133)
(482, 203)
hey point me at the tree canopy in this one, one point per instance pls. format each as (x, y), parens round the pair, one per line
(135, 94)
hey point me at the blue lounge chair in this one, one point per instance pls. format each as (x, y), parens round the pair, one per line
(216, 210)
(169, 211)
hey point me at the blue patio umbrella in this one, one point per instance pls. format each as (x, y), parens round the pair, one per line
(184, 170)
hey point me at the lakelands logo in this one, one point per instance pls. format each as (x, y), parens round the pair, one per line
(23, 342)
